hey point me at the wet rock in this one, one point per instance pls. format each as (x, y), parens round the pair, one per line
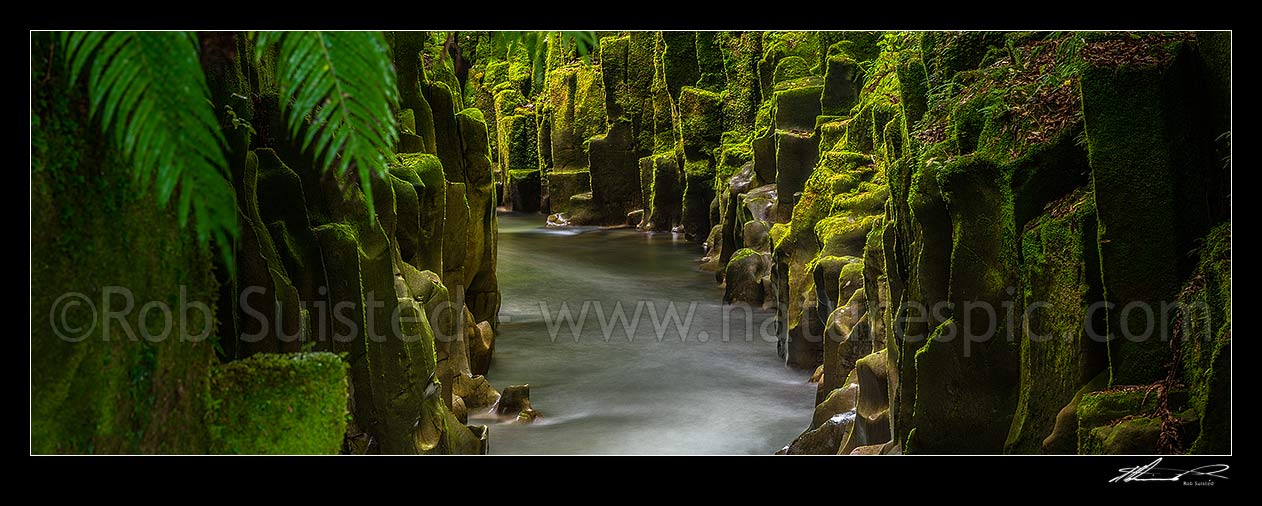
(459, 409)
(744, 272)
(481, 347)
(825, 439)
(562, 185)
(582, 212)
(482, 434)
(817, 376)
(615, 171)
(756, 235)
(557, 220)
(475, 391)
(634, 218)
(523, 192)
(665, 195)
(411, 143)
(527, 415)
(839, 401)
(890, 448)
(760, 202)
(514, 399)
(712, 260)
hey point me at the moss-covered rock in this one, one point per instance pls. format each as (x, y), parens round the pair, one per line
(1206, 341)
(710, 61)
(665, 200)
(424, 173)
(796, 108)
(744, 274)
(565, 184)
(576, 101)
(698, 194)
(740, 103)
(615, 174)
(700, 122)
(790, 68)
(519, 156)
(279, 404)
(1127, 112)
(841, 85)
(679, 61)
(1122, 421)
(796, 156)
(1062, 344)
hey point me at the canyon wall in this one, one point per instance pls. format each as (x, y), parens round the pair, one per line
(971, 238)
(335, 328)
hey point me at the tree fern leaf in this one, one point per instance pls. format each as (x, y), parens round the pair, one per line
(339, 94)
(149, 93)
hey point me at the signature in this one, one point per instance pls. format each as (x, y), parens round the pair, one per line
(1151, 472)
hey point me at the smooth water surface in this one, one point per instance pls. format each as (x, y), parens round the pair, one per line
(654, 392)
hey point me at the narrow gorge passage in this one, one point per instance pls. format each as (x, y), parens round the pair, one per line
(472, 242)
(639, 396)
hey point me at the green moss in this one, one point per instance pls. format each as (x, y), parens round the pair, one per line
(790, 68)
(1058, 354)
(1125, 110)
(741, 101)
(710, 61)
(279, 404)
(700, 122)
(1206, 341)
(831, 129)
(778, 233)
(947, 53)
(619, 100)
(679, 61)
(796, 108)
(780, 45)
(841, 85)
(108, 392)
(1120, 420)
(699, 168)
(518, 143)
(507, 102)
(741, 254)
(731, 157)
(576, 101)
(913, 87)
(520, 71)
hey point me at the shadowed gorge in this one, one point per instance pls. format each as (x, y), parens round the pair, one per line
(712, 242)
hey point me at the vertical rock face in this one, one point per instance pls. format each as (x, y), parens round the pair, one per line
(923, 210)
(409, 294)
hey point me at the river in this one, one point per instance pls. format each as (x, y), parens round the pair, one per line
(647, 391)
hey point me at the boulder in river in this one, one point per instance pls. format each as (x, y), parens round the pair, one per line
(514, 399)
(527, 415)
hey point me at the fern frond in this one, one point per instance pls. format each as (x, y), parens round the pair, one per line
(343, 82)
(149, 92)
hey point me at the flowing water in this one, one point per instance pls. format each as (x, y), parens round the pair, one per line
(657, 389)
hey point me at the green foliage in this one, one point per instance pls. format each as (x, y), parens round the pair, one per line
(279, 404)
(581, 42)
(149, 92)
(343, 82)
